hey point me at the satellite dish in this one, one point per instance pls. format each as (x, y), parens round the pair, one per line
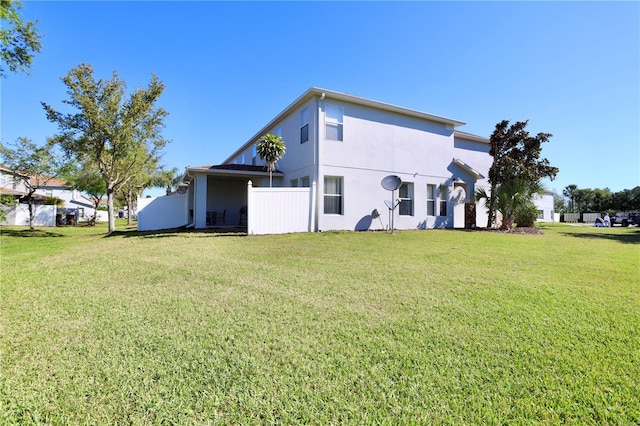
(375, 214)
(391, 182)
(389, 204)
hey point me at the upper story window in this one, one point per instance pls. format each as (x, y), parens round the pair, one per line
(278, 131)
(333, 121)
(243, 159)
(254, 155)
(304, 125)
(406, 199)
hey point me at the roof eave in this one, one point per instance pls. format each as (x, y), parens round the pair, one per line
(188, 175)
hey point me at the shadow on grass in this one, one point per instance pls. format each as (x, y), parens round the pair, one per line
(164, 233)
(26, 233)
(625, 238)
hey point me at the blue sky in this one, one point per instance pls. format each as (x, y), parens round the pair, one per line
(571, 68)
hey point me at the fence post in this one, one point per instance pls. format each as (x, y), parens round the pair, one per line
(249, 208)
(312, 207)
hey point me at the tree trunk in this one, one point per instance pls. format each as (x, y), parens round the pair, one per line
(507, 222)
(112, 218)
(491, 201)
(31, 213)
(129, 207)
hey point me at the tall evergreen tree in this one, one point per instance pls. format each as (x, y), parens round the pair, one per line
(119, 135)
(516, 155)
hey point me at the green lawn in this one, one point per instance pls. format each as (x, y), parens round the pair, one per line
(421, 327)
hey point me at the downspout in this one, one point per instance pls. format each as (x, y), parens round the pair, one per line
(192, 190)
(319, 185)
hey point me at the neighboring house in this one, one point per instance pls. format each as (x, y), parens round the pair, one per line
(546, 206)
(73, 199)
(74, 203)
(11, 185)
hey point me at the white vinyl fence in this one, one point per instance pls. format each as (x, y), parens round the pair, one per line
(590, 217)
(572, 217)
(166, 212)
(280, 210)
(44, 215)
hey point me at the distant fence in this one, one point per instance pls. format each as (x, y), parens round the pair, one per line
(581, 217)
(590, 217)
(280, 210)
(572, 217)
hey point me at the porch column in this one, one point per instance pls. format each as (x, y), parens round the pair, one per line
(200, 197)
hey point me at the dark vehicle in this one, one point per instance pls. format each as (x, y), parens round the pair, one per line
(626, 218)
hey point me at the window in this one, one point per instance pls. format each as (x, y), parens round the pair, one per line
(304, 181)
(294, 183)
(243, 159)
(333, 121)
(254, 155)
(541, 214)
(278, 131)
(304, 125)
(332, 195)
(431, 202)
(444, 195)
(406, 199)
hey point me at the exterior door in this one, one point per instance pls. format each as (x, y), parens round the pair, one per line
(469, 215)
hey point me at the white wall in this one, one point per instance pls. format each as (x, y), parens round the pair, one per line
(546, 203)
(378, 143)
(166, 212)
(44, 215)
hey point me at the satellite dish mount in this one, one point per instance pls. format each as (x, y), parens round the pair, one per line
(391, 183)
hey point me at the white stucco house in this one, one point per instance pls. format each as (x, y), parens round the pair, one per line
(339, 148)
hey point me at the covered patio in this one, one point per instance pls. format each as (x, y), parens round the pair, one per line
(217, 195)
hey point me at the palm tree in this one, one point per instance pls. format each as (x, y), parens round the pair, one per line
(511, 196)
(270, 148)
(570, 191)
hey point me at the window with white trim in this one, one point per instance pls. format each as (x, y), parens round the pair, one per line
(431, 201)
(333, 191)
(304, 125)
(333, 122)
(304, 181)
(406, 199)
(444, 195)
(254, 155)
(294, 183)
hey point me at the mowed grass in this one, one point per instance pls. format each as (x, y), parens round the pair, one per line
(421, 327)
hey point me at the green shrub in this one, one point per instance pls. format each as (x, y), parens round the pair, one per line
(526, 215)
